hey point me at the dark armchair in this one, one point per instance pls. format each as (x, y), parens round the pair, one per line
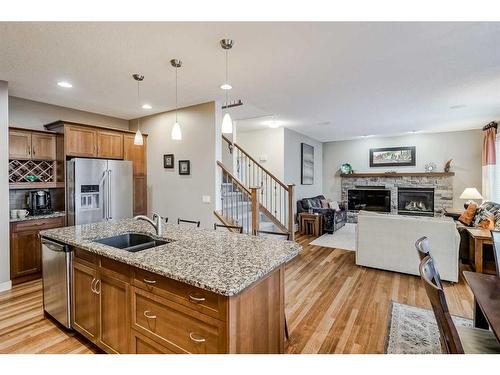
(332, 219)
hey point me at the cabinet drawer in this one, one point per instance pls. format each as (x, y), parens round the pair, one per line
(38, 224)
(86, 256)
(143, 345)
(195, 298)
(175, 326)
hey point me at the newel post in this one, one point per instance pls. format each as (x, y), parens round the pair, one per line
(255, 209)
(291, 224)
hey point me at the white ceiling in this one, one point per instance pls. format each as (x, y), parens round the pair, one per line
(330, 81)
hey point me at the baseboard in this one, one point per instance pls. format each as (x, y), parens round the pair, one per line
(5, 286)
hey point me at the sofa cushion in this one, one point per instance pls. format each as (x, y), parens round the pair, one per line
(314, 202)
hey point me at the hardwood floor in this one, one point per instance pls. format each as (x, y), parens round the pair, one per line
(332, 306)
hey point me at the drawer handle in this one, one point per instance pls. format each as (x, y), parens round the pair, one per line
(149, 281)
(92, 286)
(147, 315)
(191, 336)
(196, 299)
(97, 282)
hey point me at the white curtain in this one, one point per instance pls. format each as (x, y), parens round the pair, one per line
(489, 162)
(495, 196)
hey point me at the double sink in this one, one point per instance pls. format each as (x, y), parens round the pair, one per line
(132, 242)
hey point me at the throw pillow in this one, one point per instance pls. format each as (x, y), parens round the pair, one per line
(324, 203)
(485, 210)
(488, 223)
(334, 205)
(468, 215)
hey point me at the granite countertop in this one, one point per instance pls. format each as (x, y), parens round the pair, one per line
(38, 217)
(218, 261)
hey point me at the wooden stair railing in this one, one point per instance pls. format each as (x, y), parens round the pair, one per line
(276, 198)
(239, 205)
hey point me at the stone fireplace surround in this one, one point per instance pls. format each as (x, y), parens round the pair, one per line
(442, 185)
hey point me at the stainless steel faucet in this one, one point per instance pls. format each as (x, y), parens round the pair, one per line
(155, 222)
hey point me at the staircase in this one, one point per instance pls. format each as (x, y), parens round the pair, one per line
(252, 197)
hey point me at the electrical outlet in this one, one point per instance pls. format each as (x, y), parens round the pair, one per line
(205, 198)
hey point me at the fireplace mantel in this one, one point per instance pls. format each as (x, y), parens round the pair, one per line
(399, 174)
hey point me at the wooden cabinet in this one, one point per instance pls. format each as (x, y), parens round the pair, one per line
(123, 309)
(113, 318)
(101, 301)
(85, 300)
(80, 141)
(43, 146)
(25, 248)
(109, 144)
(137, 154)
(19, 144)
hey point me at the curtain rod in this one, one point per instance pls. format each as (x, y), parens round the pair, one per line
(492, 124)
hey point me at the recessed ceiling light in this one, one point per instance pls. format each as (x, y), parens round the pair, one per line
(413, 131)
(368, 135)
(273, 124)
(64, 84)
(458, 106)
(226, 86)
(146, 106)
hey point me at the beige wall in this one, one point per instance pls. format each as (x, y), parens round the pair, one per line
(463, 147)
(169, 193)
(4, 188)
(268, 143)
(25, 113)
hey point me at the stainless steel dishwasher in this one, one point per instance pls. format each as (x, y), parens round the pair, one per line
(57, 280)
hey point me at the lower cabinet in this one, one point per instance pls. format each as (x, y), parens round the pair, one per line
(25, 248)
(101, 306)
(122, 309)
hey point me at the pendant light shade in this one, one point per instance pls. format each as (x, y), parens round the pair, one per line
(176, 132)
(138, 138)
(227, 124)
(138, 141)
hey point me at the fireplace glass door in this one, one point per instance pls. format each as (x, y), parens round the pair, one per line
(416, 201)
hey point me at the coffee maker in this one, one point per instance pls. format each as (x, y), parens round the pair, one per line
(39, 202)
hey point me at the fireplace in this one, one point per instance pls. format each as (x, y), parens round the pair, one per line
(416, 201)
(369, 199)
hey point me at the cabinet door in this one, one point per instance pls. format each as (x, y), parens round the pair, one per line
(80, 141)
(109, 145)
(135, 153)
(114, 314)
(85, 301)
(43, 146)
(19, 145)
(140, 195)
(25, 254)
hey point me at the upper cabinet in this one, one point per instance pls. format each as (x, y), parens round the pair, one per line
(43, 146)
(31, 145)
(135, 153)
(109, 144)
(19, 144)
(80, 141)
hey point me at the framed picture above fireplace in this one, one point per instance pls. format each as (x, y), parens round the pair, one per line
(393, 157)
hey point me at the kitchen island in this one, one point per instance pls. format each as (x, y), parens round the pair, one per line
(201, 292)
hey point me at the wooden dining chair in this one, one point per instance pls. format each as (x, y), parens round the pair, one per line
(495, 234)
(197, 223)
(454, 340)
(424, 250)
(232, 228)
(268, 233)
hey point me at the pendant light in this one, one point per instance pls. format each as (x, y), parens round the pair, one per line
(227, 123)
(138, 135)
(176, 134)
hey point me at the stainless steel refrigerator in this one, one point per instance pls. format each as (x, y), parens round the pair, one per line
(98, 190)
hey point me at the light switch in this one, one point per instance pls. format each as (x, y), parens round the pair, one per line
(206, 199)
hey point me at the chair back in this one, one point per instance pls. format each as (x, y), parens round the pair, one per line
(423, 248)
(197, 223)
(495, 234)
(450, 340)
(282, 235)
(231, 228)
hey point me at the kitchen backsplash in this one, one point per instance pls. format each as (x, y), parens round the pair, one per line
(17, 198)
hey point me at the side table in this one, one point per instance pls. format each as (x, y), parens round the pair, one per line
(311, 224)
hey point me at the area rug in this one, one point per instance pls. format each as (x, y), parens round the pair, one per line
(413, 330)
(344, 238)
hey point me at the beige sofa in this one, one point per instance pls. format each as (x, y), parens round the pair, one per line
(387, 242)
